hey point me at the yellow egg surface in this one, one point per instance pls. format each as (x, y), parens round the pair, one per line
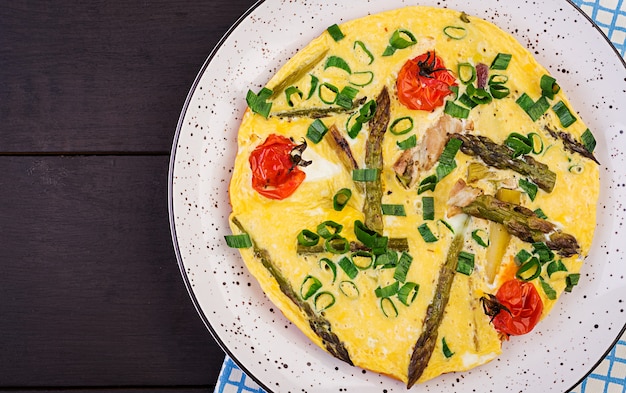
(413, 302)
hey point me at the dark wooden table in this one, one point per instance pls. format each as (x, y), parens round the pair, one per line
(91, 298)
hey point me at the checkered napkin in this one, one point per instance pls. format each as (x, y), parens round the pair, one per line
(610, 375)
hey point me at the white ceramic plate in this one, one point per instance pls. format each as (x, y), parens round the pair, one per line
(553, 358)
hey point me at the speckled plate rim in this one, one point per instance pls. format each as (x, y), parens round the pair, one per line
(185, 272)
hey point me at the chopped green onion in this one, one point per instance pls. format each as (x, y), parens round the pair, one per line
(518, 143)
(345, 97)
(393, 128)
(479, 236)
(365, 174)
(525, 102)
(316, 131)
(408, 143)
(369, 54)
(588, 140)
(535, 142)
(446, 159)
(499, 91)
(446, 350)
(455, 32)
(309, 286)
(576, 169)
(327, 91)
(367, 111)
(393, 210)
(357, 80)
(341, 198)
(467, 101)
(539, 108)
(426, 233)
(386, 260)
(529, 188)
(355, 127)
(522, 256)
(501, 61)
(327, 265)
(362, 259)
(349, 289)
(455, 110)
(337, 245)
(543, 252)
(335, 32)
(571, 281)
(328, 229)
(529, 270)
(404, 263)
(308, 238)
(291, 90)
(565, 116)
(238, 241)
(465, 263)
(387, 291)
(428, 184)
(479, 96)
(314, 82)
(428, 208)
(258, 102)
(466, 72)
(446, 224)
(348, 267)
(547, 289)
(400, 39)
(497, 79)
(388, 308)
(555, 266)
(323, 300)
(408, 292)
(540, 213)
(455, 91)
(549, 87)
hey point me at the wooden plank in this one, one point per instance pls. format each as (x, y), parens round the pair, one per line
(100, 76)
(90, 290)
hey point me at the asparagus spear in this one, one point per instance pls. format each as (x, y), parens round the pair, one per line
(319, 324)
(500, 156)
(341, 146)
(423, 349)
(316, 113)
(523, 223)
(374, 159)
(570, 144)
(298, 73)
(394, 243)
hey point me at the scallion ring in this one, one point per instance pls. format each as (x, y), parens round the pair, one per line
(361, 78)
(291, 90)
(362, 259)
(536, 143)
(308, 238)
(405, 124)
(481, 237)
(341, 198)
(529, 270)
(455, 32)
(309, 287)
(467, 73)
(337, 245)
(328, 229)
(388, 291)
(388, 308)
(366, 51)
(323, 301)
(238, 241)
(408, 292)
(349, 289)
(328, 93)
(328, 265)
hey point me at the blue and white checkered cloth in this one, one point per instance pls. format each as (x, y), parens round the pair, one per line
(610, 375)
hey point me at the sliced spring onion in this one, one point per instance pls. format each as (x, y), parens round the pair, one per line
(543, 252)
(408, 143)
(535, 142)
(238, 241)
(522, 256)
(540, 213)
(353, 127)
(479, 236)
(499, 91)
(371, 239)
(328, 229)
(258, 102)
(426, 233)
(341, 198)
(465, 263)
(393, 210)
(478, 95)
(367, 111)
(501, 61)
(323, 300)
(364, 49)
(408, 292)
(455, 110)
(316, 131)
(365, 174)
(349, 289)
(446, 159)
(528, 187)
(345, 97)
(314, 82)
(404, 263)
(571, 281)
(337, 245)
(455, 91)
(588, 140)
(335, 32)
(362, 259)
(529, 270)
(401, 125)
(388, 308)
(576, 169)
(497, 79)
(547, 289)
(337, 62)
(400, 39)
(309, 287)
(466, 72)
(386, 260)
(564, 114)
(387, 291)
(348, 267)
(446, 350)
(446, 224)
(361, 78)
(308, 238)
(328, 265)
(328, 93)
(467, 101)
(525, 102)
(519, 143)
(291, 90)
(455, 32)
(555, 266)
(428, 184)
(549, 87)
(428, 208)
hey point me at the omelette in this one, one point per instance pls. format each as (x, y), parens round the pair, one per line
(411, 189)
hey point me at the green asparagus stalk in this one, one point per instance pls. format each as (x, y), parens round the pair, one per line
(316, 113)
(523, 223)
(394, 243)
(297, 74)
(319, 324)
(570, 144)
(423, 349)
(500, 156)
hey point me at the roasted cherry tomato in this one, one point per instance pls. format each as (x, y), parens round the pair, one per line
(275, 167)
(423, 82)
(515, 309)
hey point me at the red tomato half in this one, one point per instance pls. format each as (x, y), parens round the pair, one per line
(423, 82)
(524, 306)
(275, 174)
